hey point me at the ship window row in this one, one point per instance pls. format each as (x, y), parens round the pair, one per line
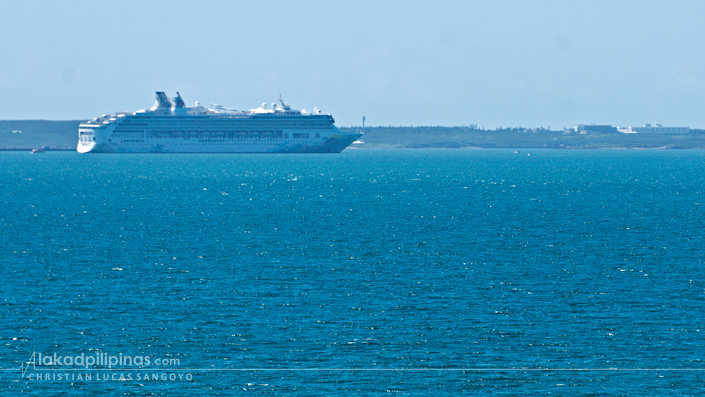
(229, 126)
(215, 134)
(125, 136)
(234, 117)
(217, 131)
(231, 135)
(129, 140)
(238, 122)
(200, 142)
(182, 126)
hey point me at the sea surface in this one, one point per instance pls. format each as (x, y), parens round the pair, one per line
(371, 272)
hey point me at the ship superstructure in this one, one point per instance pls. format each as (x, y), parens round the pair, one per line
(172, 127)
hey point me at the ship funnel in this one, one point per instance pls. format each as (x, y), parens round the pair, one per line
(163, 101)
(178, 101)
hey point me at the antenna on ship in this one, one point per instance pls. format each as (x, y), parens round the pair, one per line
(285, 105)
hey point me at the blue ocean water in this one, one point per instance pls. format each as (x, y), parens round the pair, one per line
(415, 272)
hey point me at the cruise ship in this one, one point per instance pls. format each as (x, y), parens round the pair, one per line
(172, 127)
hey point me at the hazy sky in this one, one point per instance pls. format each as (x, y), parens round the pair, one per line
(490, 63)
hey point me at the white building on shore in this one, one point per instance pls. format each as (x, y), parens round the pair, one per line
(654, 129)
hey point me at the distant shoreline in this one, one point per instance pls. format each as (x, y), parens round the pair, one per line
(525, 148)
(21, 135)
(520, 139)
(29, 149)
(32, 148)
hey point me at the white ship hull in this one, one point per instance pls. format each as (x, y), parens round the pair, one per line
(334, 143)
(199, 130)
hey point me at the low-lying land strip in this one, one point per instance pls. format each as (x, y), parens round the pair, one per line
(520, 138)
(29, 134)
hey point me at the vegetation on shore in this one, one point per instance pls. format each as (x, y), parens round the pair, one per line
(519, 138)
(29, 134)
